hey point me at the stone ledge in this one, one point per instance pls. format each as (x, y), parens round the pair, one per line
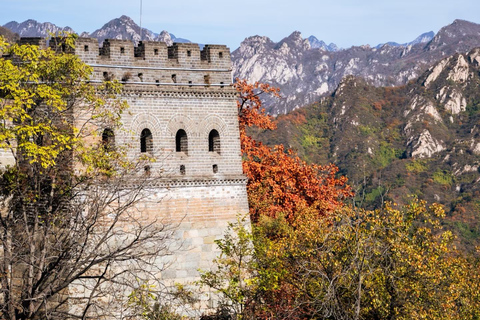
(194, 182)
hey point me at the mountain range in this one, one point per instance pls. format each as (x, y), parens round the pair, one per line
(305, 73)
(423, 38)
(119, 28)
(304, 69)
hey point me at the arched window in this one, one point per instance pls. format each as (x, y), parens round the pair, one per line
(214, 141)
(108, 139)
(146, 141)
(181, 141)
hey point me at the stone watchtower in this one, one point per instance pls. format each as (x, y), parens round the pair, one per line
(182, 113)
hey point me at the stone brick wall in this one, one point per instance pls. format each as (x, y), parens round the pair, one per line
(171, 89)
(154, 63)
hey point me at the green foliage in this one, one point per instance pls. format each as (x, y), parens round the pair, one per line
(443, 177)
(385, 155)
(392, 263)
(473, 109)
(374, 194)
(234, 275)
(366, 130)
(310, 141)
(416, 166)
(467, 231)
(144, 303)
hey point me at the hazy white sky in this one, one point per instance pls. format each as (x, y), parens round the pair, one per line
(344, 22)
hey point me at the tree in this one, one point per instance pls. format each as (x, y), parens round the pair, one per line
(393, 263)
(70, 234)
(235, 274)
(279, 182)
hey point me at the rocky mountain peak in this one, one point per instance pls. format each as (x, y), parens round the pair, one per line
(451, 83)
(423, 38)
(123, 27)
(460, 34)
(294, 41)
(295, 36)
(33, 28)
(256, 41)
(164, 36)
(252, 46)
(320, 44)
(126, 19)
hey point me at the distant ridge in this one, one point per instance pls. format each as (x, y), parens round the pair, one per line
(305, 69)
(120, 28)
(8, 34)
(423, 38)
(33, 28)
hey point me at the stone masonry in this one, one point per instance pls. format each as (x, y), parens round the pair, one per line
(182, 113)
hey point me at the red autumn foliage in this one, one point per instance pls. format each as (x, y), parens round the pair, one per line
(296, 117)
(279, 182)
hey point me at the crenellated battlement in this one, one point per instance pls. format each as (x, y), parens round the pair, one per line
(154, 54)
(152, 63)
(146, 54)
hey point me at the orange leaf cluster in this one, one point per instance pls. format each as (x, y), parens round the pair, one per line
(279, 182)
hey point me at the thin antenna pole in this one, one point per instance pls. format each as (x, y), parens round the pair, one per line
(140, 20)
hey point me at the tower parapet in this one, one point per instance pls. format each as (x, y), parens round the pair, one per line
(153, 63)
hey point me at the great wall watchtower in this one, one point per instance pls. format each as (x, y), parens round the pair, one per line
(183, 114)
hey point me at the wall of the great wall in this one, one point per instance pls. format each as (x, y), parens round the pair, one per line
(173, 89)
(183, 114)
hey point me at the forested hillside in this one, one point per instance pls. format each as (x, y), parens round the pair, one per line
(420, 139)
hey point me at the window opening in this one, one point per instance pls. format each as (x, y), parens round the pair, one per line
(126, 76)
(215, 168)
(122, 50)
(182, 170)
(214, 141)
(108, 76)
(108, 139)
(146, 141)
(155, 52)
(181, 141)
